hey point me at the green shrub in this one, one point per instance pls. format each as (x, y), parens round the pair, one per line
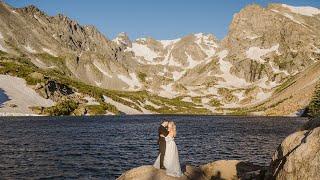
(96, 109)
(285, 85)
(142, 76)
(2, 53)
(111, 108)
(32, 81)
(63, 108)
(314, 106)
(215, 103)
(59, 62)
(196, 100)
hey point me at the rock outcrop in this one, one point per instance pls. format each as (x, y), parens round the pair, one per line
(147, 173)
(218, 170)
(298, 156)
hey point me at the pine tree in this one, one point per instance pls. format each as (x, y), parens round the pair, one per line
(314, 106)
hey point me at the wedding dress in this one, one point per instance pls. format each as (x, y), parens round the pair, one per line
(171, 159)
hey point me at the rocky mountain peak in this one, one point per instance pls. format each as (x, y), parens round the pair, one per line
(31, 10)
(122, 39)
(270, 39)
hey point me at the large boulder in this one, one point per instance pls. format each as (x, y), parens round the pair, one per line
(231, 169)
(298, 156)
(147, 173)
(218, 170)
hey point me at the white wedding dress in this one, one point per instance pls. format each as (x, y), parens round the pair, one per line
(171, 159)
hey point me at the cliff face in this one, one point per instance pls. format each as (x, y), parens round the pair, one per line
(274, 39)
(84, 53)
(247, 72)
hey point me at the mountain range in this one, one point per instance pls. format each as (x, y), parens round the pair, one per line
(268, 64)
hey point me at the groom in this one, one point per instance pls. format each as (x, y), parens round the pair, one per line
(163, 132)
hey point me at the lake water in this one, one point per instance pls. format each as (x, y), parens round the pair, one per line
(103, 147)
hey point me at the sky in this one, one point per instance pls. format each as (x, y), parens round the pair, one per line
(160, 19)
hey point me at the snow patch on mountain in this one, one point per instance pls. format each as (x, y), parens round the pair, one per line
(303, 10)
(141, 50)
(39, 20)
(39, 63)
(149, 103)
(255, 53)
(212, 91)
(276, 69)
(98, 83)
(91, 100)
(230, 80)
(30, 49)
(119, 40)
(210, 46)
(316, 49)
(266, 84)
(167, 91)
(121, 107)
(191, 62)
(2, 48)
(15, 12)
(20, 95)
(166, 43)
(187, 99)
(176, 75)
(288, 16)
(204, 102)
(240, 95)
(49, 51)
(171, 61)
(261, 96)
(292, 18)
(99, 67)
(131, 81)
(252, 36)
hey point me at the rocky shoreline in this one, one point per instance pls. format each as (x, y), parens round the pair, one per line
(296, 158)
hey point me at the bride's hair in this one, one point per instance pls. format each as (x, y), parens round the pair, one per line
(173, 128)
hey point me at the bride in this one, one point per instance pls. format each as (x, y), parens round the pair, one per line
(171, 158)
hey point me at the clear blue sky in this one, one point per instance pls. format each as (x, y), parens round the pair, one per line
(161, 19)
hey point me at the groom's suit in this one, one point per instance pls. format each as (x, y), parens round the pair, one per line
(162, 144)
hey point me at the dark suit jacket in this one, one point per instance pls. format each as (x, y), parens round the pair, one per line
(162, 130)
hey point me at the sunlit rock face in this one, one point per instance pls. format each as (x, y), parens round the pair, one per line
(298, 156)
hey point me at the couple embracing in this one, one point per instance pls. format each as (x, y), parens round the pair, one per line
(168, 158)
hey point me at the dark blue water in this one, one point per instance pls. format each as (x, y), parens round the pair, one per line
(104, 147)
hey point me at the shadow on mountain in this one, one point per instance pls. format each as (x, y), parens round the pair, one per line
(3, 97)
